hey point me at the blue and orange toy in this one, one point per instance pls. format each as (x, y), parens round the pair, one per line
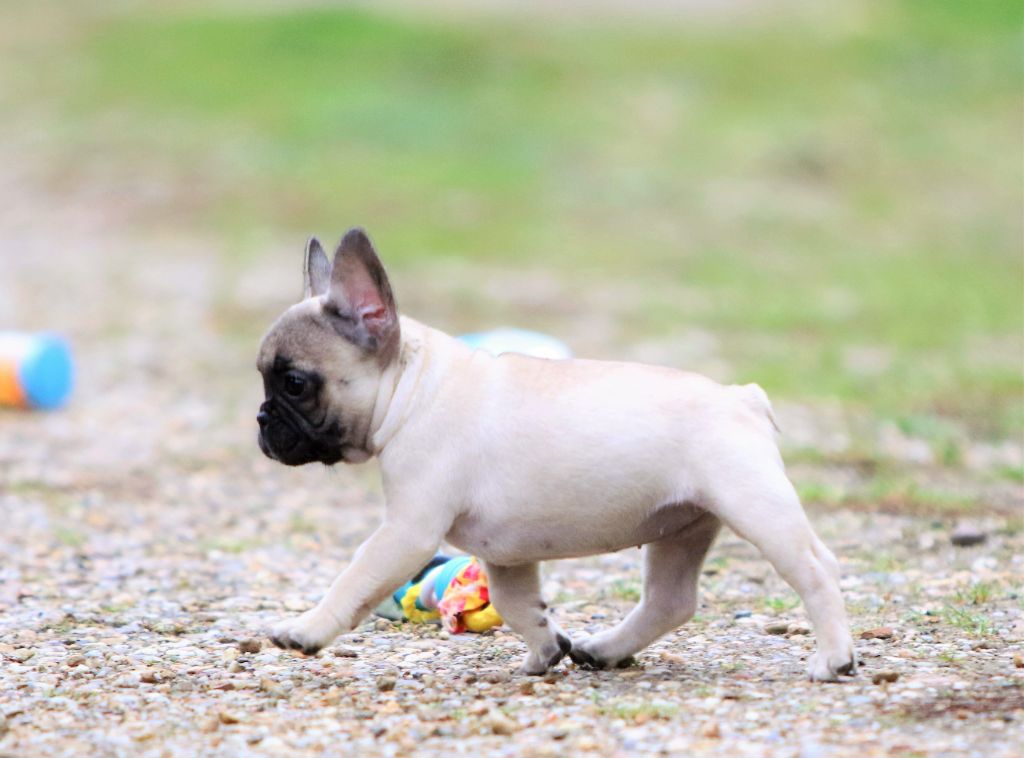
(450, 590)
(35, 370)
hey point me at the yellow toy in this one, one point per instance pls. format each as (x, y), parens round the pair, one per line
(452, 590)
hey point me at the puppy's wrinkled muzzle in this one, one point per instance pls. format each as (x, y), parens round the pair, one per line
(276, 437)
(284, 438)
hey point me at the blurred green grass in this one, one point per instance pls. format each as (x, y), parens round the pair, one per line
(834, 187)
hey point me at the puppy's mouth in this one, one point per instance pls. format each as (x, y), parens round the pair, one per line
(297, 451)
(289, 438)
(264, 447)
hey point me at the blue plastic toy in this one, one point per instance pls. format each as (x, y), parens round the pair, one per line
(36, 370)
(510, 340)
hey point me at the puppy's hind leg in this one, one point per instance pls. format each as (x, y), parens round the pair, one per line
(670, 572)
(515, 592)
(762, 507)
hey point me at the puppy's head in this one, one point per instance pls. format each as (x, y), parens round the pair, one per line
(323, 359)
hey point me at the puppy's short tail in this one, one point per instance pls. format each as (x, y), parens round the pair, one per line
(757, 399)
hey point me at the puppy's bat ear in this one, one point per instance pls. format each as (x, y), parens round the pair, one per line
(360, 297)
(316, 271)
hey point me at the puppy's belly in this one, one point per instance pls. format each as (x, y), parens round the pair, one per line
(510, 541)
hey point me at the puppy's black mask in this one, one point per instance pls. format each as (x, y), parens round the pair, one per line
(294, 427)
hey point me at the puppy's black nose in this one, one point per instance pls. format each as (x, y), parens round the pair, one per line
(262, 418)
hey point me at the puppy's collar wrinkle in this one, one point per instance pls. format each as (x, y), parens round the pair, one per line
(412, 356)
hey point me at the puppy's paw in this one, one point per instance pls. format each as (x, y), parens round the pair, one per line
(309, 633)
(825, 667)
(537, 664)
(587, 658)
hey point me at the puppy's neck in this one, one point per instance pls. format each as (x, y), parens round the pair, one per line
(406, 382)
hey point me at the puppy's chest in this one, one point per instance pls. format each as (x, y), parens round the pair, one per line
(521, 539)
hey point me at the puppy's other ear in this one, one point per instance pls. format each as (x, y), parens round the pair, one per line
(360, 298)
(316, 271)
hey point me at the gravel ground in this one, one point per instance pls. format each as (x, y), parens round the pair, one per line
(131, 620)
(148, 546)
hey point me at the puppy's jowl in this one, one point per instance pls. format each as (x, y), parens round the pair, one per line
(519, 460)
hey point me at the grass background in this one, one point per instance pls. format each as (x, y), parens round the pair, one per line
(835, 195)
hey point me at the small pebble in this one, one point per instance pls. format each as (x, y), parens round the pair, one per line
(495, 676)
(341, 651)
(21, 654)
(885, 676)
(271, 687)
(500, 723)
(711, 731)
(386, 683)
(1018, 660)
(967, 536)
(881, 633)
(227, 717)
(153, 676)
(776, 627)
(250, 645)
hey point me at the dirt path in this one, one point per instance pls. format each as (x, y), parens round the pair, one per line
(123, 602)
(145, 537)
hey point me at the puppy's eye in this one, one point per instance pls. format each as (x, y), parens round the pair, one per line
(294, 385)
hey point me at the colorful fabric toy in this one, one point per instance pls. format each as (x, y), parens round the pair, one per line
(452, 590)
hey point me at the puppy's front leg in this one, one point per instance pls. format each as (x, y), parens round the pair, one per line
(515, 592)
(389, 557)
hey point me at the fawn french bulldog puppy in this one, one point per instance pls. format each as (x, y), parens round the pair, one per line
(518, 460)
